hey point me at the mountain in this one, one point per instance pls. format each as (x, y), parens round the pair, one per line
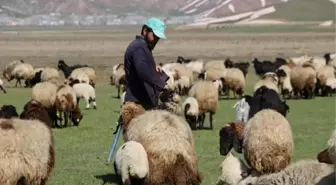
(198, 9)
(158, 7)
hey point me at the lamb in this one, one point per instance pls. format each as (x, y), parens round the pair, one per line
(232, 169)
(1, 87)
(265, 98)
(268, 142)
(263, 67)
(302, 172)
(242, 110)
(231, 137)
(7, 72)
(22, 71)
(270, 80)
(169, 144)
(303, 80)
(234, 80)
(86, 92)
(169, 100)
(67, 70)
(131, 163)
(191, 111)
(30, 157)
(66, 102)
(206, 94)
(8, 111)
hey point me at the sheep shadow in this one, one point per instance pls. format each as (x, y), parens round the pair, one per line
(115, 97)
(108, 178)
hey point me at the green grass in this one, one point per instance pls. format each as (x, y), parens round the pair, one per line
(304, 10)
(81, 151)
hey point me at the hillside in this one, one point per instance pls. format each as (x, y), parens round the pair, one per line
(304, 10)
(200, 8)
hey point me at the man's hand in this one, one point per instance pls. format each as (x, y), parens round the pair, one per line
(158, 68)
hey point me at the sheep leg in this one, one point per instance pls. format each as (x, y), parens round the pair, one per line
(3, 89)
(118, 96)
(66, 118)
(211, 120)
(87, 100)
(17, 81)
(201, 120)
(93, 100)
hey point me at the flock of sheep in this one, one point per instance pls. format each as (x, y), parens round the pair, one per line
(27, 149)
(159, 146)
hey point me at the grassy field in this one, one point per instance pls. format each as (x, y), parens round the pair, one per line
(81, 151)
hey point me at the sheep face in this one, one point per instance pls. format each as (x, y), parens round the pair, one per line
(226, 139)
(61, 65)
(169, 95)
(201, 76)
(225, 86)
(76, 116)
(8, 111)
(228, 63)
(36, 79)
(323, 157)
(281, 75)
(180, 59)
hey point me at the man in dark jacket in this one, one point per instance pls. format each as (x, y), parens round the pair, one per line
(144, 80)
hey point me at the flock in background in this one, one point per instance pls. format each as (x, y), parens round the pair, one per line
(165, 144)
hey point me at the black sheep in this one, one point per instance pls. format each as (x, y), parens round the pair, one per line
(279, 62)
(8, 111)
(265, 98)
(263, 67)
(182, 60)
(68, 69)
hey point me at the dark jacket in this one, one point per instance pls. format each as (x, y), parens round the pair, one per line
(143, 81)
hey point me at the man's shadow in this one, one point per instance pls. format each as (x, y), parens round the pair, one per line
(108, 178)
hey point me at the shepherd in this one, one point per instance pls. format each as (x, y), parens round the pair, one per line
(145, 79)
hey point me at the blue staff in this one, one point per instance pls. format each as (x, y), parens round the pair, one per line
(115, 141)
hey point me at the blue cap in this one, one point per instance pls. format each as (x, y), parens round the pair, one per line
(157, 26)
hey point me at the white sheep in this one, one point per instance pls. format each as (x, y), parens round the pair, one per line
(232, 170)
(131, 163)
(242, 110)
(270, 80)
(51, 75)
(86, 92)
(206, 94)
(21, 71)
(190, 109)
(45, 92)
